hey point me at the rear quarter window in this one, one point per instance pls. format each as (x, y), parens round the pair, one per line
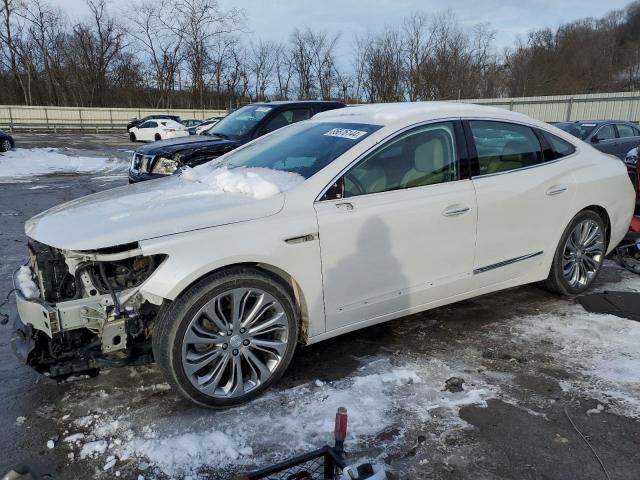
(559, 147)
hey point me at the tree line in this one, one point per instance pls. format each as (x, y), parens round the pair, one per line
(195, 54)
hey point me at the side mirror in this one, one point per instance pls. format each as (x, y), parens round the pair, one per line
(595, 139)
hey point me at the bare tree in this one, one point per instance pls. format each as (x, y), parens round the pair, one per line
(161, 45)
(200, 22)
(261, 65)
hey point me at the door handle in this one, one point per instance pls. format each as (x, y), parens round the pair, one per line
(557, 190)
(344, 206)
(455, 210)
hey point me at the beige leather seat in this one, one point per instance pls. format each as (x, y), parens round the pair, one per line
(373, 179)
(429, 164)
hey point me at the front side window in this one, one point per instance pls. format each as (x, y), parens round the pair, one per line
(503, 146)
(286, 117)
(423, 156)
(303, 148)
(149, 124)
(626, 131)
(606, 132)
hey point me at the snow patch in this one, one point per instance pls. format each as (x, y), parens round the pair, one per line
(24, 162)
(601, 349)
(253, 182)
(27, 286)
(302, 418)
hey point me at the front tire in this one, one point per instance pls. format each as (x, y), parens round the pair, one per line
(132, 137)
(579, 255)
(5, 145)
(227, 338)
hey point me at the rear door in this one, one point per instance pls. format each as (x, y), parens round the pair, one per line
(522, 199)
(147, 130)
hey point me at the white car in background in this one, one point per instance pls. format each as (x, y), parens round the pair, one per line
(357, 216)
(207, 124)
(157, 129)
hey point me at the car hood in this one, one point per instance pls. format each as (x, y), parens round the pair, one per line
(171, 146)
(142, 211)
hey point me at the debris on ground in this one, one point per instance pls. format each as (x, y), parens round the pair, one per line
(454, 384)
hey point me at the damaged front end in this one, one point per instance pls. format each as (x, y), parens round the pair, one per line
(89, 312)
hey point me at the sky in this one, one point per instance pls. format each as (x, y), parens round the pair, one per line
(275, 19)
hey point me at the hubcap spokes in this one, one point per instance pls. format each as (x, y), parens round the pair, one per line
(235, 342)
(583, 254)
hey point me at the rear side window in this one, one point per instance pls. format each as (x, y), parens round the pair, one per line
(625, 130)
(503, 146)
(559, 147)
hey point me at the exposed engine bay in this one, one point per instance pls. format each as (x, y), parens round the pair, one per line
(90, 313)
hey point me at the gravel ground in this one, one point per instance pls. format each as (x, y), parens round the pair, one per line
(532, 363)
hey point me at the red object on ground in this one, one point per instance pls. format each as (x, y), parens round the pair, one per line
(635, 225)
(340, 431)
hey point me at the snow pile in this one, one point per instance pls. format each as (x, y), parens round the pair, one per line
(253, 182)
(601, 349)
(24, 162)
(285, 423)
(27, 286)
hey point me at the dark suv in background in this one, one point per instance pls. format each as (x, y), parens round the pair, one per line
(163, 158)
(612, 136)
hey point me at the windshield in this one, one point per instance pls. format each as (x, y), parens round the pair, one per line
(240, 122)
(303, 148)
(580, 130)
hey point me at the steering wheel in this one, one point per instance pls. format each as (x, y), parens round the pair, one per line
(356, 183)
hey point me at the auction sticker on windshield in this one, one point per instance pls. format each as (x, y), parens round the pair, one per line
(345, 133)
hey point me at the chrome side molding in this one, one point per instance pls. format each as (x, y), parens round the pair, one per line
(505, 263)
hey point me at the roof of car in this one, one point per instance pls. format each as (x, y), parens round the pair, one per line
(411, 112)
(289, 102)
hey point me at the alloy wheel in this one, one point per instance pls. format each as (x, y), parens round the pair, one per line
(583, 253)
(6, 146)
(235, 342)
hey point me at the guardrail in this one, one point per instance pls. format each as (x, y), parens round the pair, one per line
(17, 117)
(559, 108)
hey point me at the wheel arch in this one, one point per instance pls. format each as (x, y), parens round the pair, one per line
(602, 212)
(277, 274)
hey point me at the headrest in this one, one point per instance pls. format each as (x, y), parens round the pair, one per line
(429, 156)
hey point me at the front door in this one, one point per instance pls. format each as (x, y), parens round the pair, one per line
(403, 235)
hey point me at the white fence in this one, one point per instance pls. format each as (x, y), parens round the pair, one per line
(605, 106)
(15, 117)
(562, 108)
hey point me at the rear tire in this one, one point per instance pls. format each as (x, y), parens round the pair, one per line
(132, 137)
(203, 347)
(579, 255)
(158, 137)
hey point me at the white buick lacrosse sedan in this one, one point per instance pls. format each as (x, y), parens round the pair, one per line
(355, 217)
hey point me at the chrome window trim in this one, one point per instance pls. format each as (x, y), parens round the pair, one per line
(609, 124)
(523, 124)
(380, 144)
